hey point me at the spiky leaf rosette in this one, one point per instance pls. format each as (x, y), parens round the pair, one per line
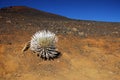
(43, 43)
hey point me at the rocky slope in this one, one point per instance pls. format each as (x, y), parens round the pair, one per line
(90, 50)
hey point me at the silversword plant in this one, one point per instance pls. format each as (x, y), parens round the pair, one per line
(44, 44)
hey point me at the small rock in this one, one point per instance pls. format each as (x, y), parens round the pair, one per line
(8, 21)
(69, 32)
(111, 72)
(88, 24)
(115, 32)
(29, 24)
(74, 29)
(81, 33)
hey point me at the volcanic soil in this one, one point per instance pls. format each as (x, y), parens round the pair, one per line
(90, 50)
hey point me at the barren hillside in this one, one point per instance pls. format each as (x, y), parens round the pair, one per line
(90, 50)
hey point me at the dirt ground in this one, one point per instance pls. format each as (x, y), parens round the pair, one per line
(91, 58)
(90, 50)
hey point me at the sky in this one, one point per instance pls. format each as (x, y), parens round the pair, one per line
(96, 10)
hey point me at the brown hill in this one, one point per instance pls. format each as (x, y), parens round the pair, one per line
(90, 50)
(26, 12)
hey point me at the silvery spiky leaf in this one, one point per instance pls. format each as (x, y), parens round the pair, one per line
(43, 43)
